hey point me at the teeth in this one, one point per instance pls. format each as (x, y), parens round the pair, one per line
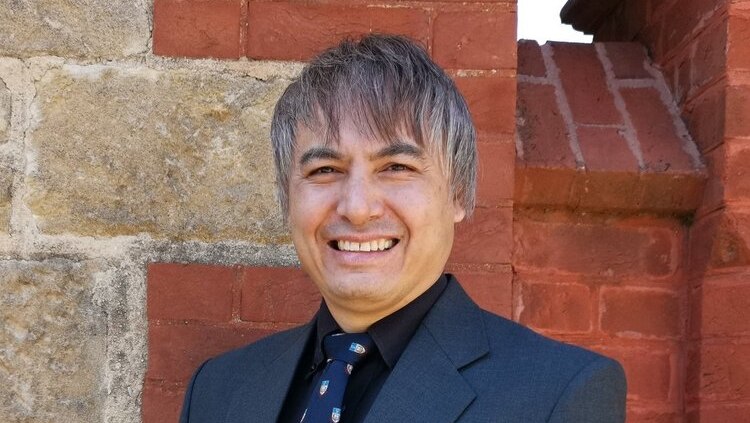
(376, 245)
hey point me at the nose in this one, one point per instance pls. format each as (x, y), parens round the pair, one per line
(360, 201)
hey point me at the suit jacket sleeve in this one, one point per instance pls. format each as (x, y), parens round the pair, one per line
(185, 414)
(595, 395)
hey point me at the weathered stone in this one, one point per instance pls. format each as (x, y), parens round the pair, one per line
(5, 108)
(52, 345)
(74, 28)
(6, 181)
(175, 153)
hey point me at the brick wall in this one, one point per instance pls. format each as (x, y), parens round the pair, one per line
(702, 45)
(606, 177)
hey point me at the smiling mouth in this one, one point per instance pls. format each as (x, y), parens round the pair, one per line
(367, 246)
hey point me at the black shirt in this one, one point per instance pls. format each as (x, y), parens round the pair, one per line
(391, 335)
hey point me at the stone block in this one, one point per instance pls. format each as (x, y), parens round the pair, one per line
(5, 109)
(180, 154)
(52, 343)
(6, 182)
(74, 28)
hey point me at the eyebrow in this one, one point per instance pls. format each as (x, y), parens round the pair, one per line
(319, 153)
(395, 149)
(400, 148)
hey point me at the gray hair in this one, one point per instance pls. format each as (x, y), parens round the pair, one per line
(385, 84)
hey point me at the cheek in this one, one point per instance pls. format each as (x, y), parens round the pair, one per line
(308, 210)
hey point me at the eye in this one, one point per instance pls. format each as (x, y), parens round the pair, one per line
(323, 170)
(397, 167)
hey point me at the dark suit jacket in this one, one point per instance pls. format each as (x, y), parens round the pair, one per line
(462, 365)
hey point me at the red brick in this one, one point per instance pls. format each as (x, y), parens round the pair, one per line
(639, 415)
(536, 186)
(627, 59)
(605, 191)
(706, 120)
(556, 307)
(719, 413)
(161, 403)
(585, 84)
(485, 238)
(475, 40)
(719, 241)
(605, 149)
(541, 128)
(277, 295)
(713, 195)
(530, 60)
(600, 249)
(636, 313)
(725, 305)
(495, 180)
(682, 83)
(176, 351)
(197, 28)
(190, 292)
(492, 102)
(298, 31)
(671, 192)
(737, 111)
(721, 372)
(739, 49)
(682, 19)
(710, 57)
(737, 170)
(648, 371)
(661, 147)
(492, 291)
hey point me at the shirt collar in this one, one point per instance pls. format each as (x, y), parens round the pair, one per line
(392, 333)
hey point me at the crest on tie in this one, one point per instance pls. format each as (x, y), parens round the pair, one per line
(323, 387)
(357, 348)
(349, 369)
(336, 415)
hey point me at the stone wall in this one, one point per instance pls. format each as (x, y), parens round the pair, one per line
(112, 158)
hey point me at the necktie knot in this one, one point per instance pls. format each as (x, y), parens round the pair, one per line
(350, 348)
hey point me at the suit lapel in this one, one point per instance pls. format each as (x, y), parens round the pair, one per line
(260, 398)
(426, 385)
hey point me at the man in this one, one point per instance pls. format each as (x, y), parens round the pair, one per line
(376, 162)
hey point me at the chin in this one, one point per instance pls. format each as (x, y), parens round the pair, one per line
(358, 287)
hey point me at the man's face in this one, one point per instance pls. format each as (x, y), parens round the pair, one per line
(372, 222)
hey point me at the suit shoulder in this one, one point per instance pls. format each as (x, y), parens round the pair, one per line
(264, 348)
(520, 342)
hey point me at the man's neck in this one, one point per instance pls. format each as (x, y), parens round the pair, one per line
(356, 317)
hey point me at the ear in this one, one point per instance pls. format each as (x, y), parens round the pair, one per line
(458, 212)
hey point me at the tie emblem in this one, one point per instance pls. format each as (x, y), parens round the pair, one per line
(323, 387)
(349, 369)
(336, 415)
(357, 348)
